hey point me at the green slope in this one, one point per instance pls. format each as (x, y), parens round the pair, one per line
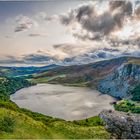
(25, 126)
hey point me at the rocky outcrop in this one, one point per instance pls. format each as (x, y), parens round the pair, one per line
(122, 125)
(121, 82)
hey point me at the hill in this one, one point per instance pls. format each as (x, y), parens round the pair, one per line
(80, 74)
(16, 122)
(21, 125)
(117, 77)
(23, 71)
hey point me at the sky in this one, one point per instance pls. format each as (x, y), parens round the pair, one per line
(67, 32)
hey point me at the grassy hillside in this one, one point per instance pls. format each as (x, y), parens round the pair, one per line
(38, 78)
(17, 125)
(21, 123)
(23, 71)
(16, 122)
(10, 85)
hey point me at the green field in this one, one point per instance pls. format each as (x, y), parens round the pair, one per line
(45, 79)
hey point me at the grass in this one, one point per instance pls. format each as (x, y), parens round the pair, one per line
(83, 84)
(73, 131)
(134, 61)
(46, 79)
(128, 106)
(57, 79)
(26, 127)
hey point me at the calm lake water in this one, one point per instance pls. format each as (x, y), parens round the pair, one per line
(69, 103)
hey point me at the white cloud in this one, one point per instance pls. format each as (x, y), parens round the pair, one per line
(23, 23)
(102, 19)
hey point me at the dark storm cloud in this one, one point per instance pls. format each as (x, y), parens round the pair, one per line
(99, 25)
(103, 24)
(115, 4)
(125, 7)
(77, 14)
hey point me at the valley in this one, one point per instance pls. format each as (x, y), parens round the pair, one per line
(70, 97)
(70, 69)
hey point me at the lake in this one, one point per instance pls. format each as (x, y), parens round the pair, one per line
(65, 102)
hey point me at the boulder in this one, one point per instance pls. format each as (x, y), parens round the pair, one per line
(122, 125)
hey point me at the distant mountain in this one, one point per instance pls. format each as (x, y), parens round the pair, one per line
(84, 73)
(23, 71)
(117, 77)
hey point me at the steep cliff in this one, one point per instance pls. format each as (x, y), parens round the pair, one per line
(122, 81)
(122, 125)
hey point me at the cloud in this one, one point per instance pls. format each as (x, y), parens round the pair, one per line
(38, 35)
(42, 16)
(104, 29)
(10, 60)
(137, 11)
(75, 54)
(85, 53)
(127, 43)
(37, 58)
(30, 59)
(101, 19)
(72, 50)
(124, 7)
(24, 23)
(97, 56)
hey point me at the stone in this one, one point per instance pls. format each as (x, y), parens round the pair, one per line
(121, 124)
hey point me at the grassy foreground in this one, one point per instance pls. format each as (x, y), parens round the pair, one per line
(21, 123)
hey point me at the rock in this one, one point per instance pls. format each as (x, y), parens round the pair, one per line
(121, 82)
(122, 125)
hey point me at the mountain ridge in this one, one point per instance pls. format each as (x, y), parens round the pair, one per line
(98, 75)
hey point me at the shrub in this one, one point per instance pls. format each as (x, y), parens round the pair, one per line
(7, 124)
(94, 121)
(127, 106)
(9, 105)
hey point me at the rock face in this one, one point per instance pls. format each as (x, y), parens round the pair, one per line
(122, 125)
(121, 82)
